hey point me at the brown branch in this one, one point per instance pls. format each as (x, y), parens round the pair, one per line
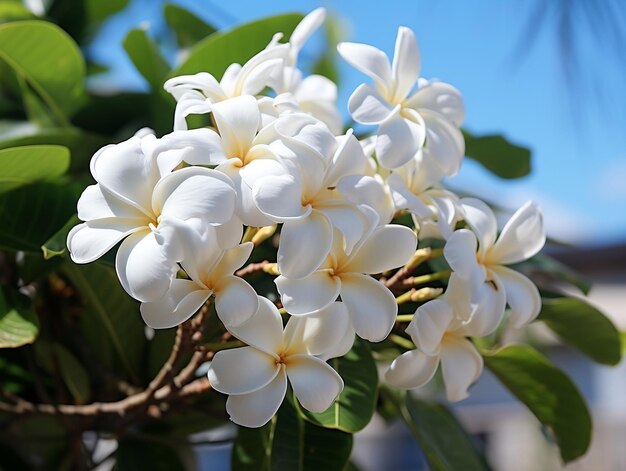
(252, 268)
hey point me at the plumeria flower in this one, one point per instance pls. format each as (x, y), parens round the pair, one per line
(372, 307)
(407, 121)
(255, 377)
(195, 94)
(315, 94)
(439, 329)
(479, 254)
(133, 203)
(416, 187)
(210, 270)
(305, 201)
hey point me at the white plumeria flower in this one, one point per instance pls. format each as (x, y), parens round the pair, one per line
(195, 94)
(479, 254)
(430, 116)
(372, 307)
(210, 270)
(132, 202)
(439, 330)
(315, 94)
(416, 187)
(242, 152)
(255, 377)
(305, 201)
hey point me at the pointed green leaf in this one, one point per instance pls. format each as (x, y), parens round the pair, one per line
(583, 327)
(111, 323)
(20, 166)
(189, 29)
(443, 439)
(552, 268)
(57, 244)
(548, 393)
(30, 215)
(215, 53)
(97, 10)
(146, 57)
(356, 404)
(288, 442)
(50, 62)
(18, 323)
(498, 155)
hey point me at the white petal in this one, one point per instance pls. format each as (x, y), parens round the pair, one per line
(404, 199)
(347, 218)
(304, 245)
(279, 197)
(257, 408)
(242, 370)
(388, 247)
(315, 383)
(444, 141)
(406, 63)
(309, 24)
(98, 203)
(430, 323)
(181, 301)
(238, 121)
(461, 365)
(371, 61)
(264, 330)
(124, 170)
(411, 370)
(482, 221)
(348, 159)
(190, 102)
(372, 306)
(487, 309)
(442, 98)
(398, 140)
(521, 238)
(459, 294)
(91, 240)
(235, 301)
(368, 106)
(232, 260)
(460, 253)
(307, 131)
(143, 270)
(369, 191)
(319, 333)
(196, 147)
(196, 192)
(256, 79)
(522, 296)
(309, 294)
(204, 81)
(192, 242)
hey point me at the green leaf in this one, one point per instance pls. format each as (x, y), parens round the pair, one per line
(55, 358)
(134, 452)
(357, 402)
(146, 57)
(57, 244)
(548, 393)
(555, 270)
(30, 215)
(18, 323)
(498, 155)
(326, 64)
(443, 439)
(215, 53)
(48, 60)
(189, 29)
(288, 442)
(111, 324)
(20, 166)
(97, 10)
(583, 327)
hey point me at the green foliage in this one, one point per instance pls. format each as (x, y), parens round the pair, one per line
(189, 29)
(44, 56)
(583, 327)
(498, 155)
(215, 53)
(20, 166)
(146, 57)
(553, 269)
(289, 442)
(18, 323)
(548, 393)
(356, 404)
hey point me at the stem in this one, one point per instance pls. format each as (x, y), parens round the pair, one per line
(271, 268)
(422, 279)
(249, 234)
(401, 341)
(419, 296)
(263, 234)
(217, 346)
(404, 318)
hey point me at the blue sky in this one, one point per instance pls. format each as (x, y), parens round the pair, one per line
(574, 121)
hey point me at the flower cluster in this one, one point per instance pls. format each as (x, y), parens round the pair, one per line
(274, 156)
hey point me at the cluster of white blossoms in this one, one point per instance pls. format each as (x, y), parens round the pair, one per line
(178, 205)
